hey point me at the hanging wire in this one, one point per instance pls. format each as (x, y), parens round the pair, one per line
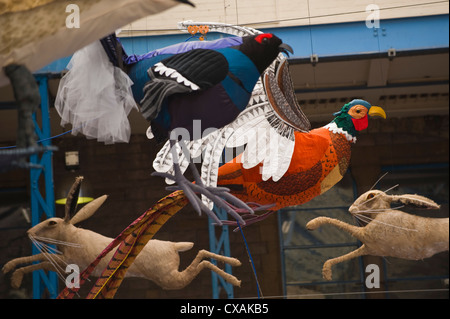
(259, 292)
(192, 36)
(39, 141)
(309, 17)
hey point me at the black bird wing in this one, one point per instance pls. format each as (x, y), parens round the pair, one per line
(194, 70)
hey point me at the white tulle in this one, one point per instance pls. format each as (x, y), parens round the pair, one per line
(95, 97)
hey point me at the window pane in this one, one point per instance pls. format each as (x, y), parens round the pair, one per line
(305, 265)
(294, 232)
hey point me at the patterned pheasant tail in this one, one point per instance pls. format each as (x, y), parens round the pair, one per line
(131, 241)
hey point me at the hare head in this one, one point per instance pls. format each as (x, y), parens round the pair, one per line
(377, 201)
(54, 230)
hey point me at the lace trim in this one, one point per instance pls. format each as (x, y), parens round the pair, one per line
(332, 127)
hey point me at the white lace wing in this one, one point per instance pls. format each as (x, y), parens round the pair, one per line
(231, 136)
(163, 162)
(264, 142)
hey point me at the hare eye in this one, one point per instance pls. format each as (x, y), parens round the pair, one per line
(51, 223)
(371, 195)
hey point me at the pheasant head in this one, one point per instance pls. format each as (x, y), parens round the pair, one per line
(353, 117)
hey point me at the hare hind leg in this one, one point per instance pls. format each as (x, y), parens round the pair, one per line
(183, 278)
(229, 260)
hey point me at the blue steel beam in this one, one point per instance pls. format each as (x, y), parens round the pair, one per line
(355, 38)
(327, 40)
(43, 204)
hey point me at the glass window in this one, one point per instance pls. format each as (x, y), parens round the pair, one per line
(304, 252)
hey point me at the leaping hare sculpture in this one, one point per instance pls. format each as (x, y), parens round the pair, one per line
(159, 260)
(390, 232)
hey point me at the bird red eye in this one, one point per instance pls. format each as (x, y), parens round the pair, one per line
(261, 37)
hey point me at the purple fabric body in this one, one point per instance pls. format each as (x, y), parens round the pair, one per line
(186, 46)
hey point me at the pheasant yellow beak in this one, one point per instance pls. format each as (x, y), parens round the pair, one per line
(377, 111)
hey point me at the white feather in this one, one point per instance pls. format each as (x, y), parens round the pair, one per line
(285, 151)
(169, 72)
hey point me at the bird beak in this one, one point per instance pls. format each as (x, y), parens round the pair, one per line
(286, 48)
(377, 111)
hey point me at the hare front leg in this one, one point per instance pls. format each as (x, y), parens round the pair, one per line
(355, 231)
(326, 270)
(10, 265)
(17, 276)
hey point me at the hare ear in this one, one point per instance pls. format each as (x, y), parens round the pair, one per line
(88, 210)
(72, 198)
(417, 200)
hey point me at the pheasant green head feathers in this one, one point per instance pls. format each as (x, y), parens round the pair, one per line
(353, 116)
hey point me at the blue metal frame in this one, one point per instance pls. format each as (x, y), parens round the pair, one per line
(221, 246)
(326, 40)
(355, 38)
(43, 204)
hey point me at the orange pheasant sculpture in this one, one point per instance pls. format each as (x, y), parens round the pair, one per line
(284, 161)
(319, 160)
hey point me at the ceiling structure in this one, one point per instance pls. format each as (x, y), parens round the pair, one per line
(403, 67)
(405, 86)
